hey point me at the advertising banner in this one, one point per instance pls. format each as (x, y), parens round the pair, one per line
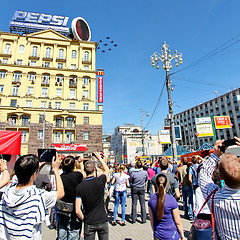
(10, 142)
(70, 147)
(203, 120)
(204, 130)
(100, 89)
(222, 122)
(164, 139)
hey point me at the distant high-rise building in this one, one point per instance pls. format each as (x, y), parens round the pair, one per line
(225, 105)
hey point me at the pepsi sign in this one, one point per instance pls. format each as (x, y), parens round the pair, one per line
(80, 29)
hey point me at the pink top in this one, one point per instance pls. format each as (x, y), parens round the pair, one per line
(151, 173)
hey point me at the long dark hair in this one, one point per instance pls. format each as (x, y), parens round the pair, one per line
(161, 183)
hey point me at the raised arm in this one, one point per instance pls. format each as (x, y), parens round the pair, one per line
(104, 165)
(5, 174)
(59, 185)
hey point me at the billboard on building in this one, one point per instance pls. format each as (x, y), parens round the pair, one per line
(204, 127)
(100, 74)
(222, 122)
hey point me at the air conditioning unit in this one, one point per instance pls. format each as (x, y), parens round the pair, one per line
(83, 97)
(84, 85)
(32, 82)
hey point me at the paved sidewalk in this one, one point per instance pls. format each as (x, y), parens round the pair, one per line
(136, 231)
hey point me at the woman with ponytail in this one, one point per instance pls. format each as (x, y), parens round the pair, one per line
(164, 213)
(122, 182)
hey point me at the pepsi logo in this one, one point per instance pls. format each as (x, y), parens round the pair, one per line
(80, 29)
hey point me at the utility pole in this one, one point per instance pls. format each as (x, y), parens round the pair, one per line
(166, 58)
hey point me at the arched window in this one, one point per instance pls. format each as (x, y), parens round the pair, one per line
(34, 51)
(21, 49)
(48, 52)
(74, 54)
(7, 48)
(61, 53)
(86, 56)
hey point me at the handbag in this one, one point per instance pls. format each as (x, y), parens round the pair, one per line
(203, 226)
(64, 208)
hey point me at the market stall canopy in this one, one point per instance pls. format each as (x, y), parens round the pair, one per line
(180, 151)
(205, 146)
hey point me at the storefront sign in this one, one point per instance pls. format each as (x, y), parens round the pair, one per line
(100, 89)
(70, 147)
(222, 122)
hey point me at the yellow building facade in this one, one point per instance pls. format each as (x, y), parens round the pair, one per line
(48, 90)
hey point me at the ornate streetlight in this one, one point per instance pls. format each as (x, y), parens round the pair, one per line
(166, 57)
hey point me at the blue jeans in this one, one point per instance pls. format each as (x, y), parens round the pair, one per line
(91, 229)
(120, 197)
(69, 228)
(149, 187)
(187, 193)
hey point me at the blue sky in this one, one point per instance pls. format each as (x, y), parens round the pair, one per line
(194, 28)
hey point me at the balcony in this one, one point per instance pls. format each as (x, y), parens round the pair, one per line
(86, 61)
(47, 58)
(61, 59)
(34, 57)
(45, 83)
(7, 54)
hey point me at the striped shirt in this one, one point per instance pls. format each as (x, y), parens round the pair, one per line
(226, 202)
(23, 210)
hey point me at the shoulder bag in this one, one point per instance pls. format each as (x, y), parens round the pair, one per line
(203, 226)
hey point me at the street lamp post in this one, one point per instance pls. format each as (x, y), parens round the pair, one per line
(142, 113)
(166, 58)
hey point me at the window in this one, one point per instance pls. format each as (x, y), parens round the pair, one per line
(73, 66)
(45, 79)
(17, 76)
(5, 60)
(57, 105)
(85, 93)
(86, 80)
(15, 90)
(86, 67)
(85, 106)
(59, 79)
(1, 88)
(61, 54)
(34, 51)
(59, 92)
(25, 120)
(33, 63)
(31, 76)
(3, 74)
(43, 104)
(7, 48)
(86, 56)
(57, 137)
(19, 62)
(13, 103)
(69, 137)
(28, 103)
(85, 135)
(21, 49)
(44, 92)
(74, 54)
(46, 64)
(41, 118)
(59, 122)
(86, 120)
(48, 53)
(40, 134)
(60, 65)
(72, 105)
(70, 121)
(24, 137)
(72, 94)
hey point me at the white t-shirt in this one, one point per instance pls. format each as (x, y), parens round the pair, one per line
(121, 179)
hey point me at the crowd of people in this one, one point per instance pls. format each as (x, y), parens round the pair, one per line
(75, 198)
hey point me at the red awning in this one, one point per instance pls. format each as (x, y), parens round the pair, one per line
(10, 142)
(70, 147)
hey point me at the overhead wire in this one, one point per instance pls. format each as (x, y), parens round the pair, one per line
(160, 95)
(210, 54)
